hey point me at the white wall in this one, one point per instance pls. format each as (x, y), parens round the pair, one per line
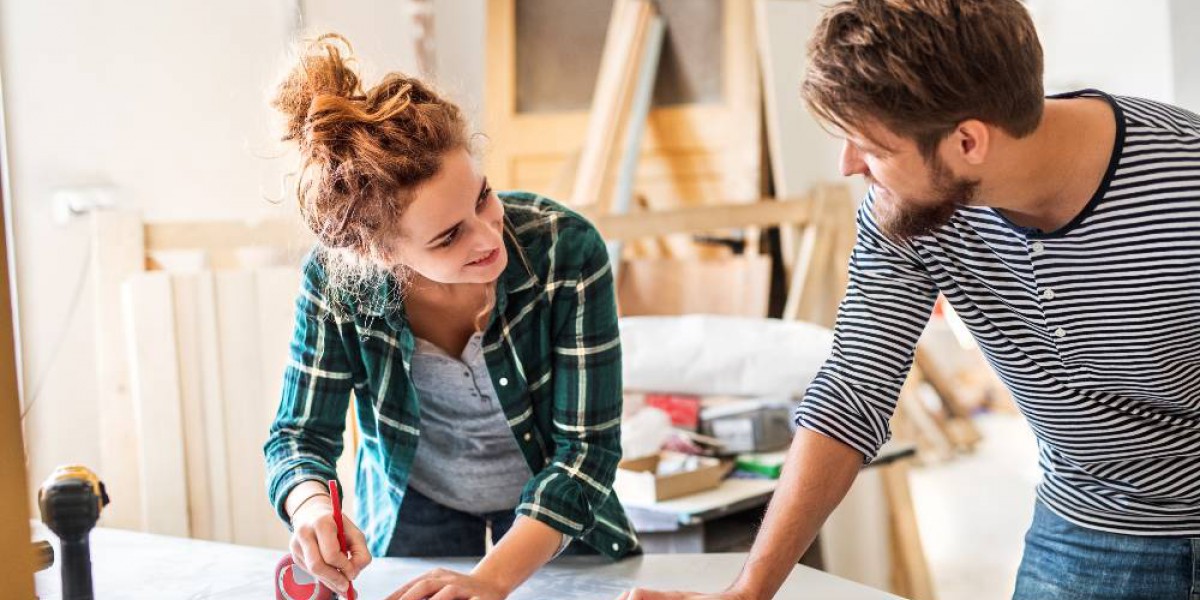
(165, 103)
(1185, 52)
(460, 27)
(1120, 46)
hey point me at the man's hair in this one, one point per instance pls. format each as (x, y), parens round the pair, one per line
(921, 67)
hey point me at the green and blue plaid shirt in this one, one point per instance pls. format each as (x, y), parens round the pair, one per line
(553, 351)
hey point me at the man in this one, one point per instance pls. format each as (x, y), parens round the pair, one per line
(1065, 231)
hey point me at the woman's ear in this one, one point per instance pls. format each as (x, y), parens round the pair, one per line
(383, 248)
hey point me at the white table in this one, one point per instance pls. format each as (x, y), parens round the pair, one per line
(137, 566)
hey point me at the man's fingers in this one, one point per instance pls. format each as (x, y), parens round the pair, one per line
(421, 590)
(450, 592)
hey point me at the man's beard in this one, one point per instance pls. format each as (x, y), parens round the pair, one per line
(905, 219)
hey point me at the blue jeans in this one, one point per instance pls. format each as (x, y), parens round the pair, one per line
(427, 529)
(1064, 561)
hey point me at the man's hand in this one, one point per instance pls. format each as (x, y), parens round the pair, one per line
(444, 584)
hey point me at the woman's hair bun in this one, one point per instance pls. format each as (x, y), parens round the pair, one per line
(323, 69)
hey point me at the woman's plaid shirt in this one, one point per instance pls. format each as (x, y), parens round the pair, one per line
(553, 351)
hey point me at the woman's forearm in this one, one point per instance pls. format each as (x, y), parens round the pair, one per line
(303, 491)
(520, 553)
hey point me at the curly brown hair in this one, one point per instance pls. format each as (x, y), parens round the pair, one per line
(921, 67)
(362, 153)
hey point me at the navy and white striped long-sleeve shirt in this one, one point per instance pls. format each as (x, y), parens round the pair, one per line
(1095, 328)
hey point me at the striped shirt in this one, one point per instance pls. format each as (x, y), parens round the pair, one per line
(553, 352)
(1095, 328)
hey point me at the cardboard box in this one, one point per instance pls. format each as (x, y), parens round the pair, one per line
(651, 479)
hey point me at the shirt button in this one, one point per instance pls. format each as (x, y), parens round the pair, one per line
(616, 547)
(503, 381)
(466, 373)
(1038, 247)
(1048, 294)
(528, 436)
(1060, 332)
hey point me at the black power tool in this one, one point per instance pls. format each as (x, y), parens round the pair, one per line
(71, 500)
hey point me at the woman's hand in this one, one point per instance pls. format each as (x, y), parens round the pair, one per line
(315, 545)
(443, 584)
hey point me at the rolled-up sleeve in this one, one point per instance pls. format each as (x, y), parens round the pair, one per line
(887, 305)
(587, 395)
(305, 439)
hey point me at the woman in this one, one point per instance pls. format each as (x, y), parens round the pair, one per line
(476, 330)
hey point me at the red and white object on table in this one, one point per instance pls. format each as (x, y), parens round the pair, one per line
(292, 582)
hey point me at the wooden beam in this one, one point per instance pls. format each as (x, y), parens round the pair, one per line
(701, 219)
(149, 317)
(221, 236)
(911, 569)
(118, 252)
(612, 102)
(16, 571)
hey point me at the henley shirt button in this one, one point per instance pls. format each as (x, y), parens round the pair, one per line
(616, 547)
(1038, 247)
(503, 381)
(1060, 332)
(1048, 294)
(528, 436)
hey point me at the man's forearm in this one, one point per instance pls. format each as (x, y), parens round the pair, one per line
(816, 476)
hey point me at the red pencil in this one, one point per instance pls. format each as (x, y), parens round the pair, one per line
(335, 494)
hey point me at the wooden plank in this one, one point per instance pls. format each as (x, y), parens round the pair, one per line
(851, 536)
(117, 253)
(737, 285)
(221, 235)
(802, 266)
(631, 155)
(242, 392)
(276, 295)
(911, 568)
(150, 330)
(819, 273)
(613, 98)
(191, 395)
(799, 149)
(17, 568)
(701, 219)
(960, 428)
(209, 362)
(187, 246)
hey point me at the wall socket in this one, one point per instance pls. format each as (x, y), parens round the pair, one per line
(67, 203)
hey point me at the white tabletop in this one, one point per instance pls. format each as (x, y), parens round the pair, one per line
(136, 566)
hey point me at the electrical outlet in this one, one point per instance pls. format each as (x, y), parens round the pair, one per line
(67, 203)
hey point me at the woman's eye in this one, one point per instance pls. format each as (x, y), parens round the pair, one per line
(449, 239)
(484, 197)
